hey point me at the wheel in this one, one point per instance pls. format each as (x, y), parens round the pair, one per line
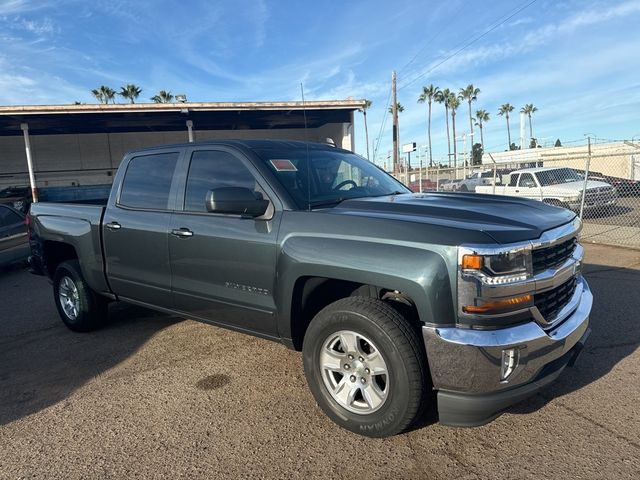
(366, 367)
(79, 307)
(464, 188)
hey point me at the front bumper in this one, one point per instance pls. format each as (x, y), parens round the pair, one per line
(466, 364)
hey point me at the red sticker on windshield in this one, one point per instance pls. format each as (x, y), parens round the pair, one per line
(284, 166)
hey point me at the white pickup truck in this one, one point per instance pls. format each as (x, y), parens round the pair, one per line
(477, 179)
(558, 186)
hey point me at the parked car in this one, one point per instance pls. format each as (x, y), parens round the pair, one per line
(14, 245)
(561, 187)
(450, 185)
(427, 185)
(389, 295)
(476, 179)
(16, 197)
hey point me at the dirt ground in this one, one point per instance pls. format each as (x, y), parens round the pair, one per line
(152, 396)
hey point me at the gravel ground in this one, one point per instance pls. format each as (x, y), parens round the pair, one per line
(153, 396)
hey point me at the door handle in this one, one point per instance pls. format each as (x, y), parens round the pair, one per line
(517, 191)
(113, 226)
(182, 233)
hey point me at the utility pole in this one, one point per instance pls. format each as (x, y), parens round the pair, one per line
(394, 113)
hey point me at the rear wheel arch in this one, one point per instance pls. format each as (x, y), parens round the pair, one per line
(55, 253)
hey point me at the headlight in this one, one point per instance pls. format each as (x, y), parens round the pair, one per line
(488, 281)
(500, 268)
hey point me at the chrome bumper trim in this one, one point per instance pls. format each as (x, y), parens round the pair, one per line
(469, 361)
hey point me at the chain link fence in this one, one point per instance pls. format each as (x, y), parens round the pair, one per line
(602, 185)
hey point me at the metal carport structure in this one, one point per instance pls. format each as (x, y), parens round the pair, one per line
(83, 144)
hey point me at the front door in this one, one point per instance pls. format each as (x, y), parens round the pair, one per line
(223, 266)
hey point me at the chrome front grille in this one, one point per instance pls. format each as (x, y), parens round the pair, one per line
(600, 194)
(550, 303)
(553, 256)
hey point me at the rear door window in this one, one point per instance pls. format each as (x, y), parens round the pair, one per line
(147, 182)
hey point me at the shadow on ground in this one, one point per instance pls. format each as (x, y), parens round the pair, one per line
(615, 333)
(41, 362)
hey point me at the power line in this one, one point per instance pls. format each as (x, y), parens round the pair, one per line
(432, 38)
(382, 125)
(468, 44)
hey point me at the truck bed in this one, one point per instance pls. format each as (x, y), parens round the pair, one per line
(77, 225)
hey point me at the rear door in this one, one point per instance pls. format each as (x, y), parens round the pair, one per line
(136, 228)
(512, 187)
(224, 267)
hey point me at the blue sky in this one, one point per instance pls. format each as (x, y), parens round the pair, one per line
(576, 60)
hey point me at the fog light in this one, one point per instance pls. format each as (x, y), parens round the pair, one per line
(510, 360)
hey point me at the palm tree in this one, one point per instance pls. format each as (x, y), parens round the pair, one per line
(130, 91)
(482, 116)
(428, 94)
(162, 97)
(505, 109)
(470, 94)
(399, 107)
(103, 94)
(529, 109)
(454, 103)
(443, 97)
(365, 107)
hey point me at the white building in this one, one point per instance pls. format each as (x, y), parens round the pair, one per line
(618, 159)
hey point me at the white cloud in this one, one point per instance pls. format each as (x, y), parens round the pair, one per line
(8, 7)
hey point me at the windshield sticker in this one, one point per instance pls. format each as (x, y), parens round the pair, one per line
(283, 166)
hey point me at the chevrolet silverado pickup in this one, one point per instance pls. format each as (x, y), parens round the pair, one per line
(397, 300)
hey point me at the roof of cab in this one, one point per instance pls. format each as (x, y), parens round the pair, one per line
(262, 144)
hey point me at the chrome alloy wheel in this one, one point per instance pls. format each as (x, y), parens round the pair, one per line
(69, 298)
(354, 372)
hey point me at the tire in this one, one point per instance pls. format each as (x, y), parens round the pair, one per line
(79, 307)
(383, 404)
(464, 188)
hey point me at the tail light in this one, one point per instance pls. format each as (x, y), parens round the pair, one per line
(27, 220)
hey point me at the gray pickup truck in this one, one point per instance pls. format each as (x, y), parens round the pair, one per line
(397, 300)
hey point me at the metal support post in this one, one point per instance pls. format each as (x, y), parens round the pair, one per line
(190, 130)
(27, 148)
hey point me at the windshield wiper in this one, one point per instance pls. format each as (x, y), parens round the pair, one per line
(327, 203)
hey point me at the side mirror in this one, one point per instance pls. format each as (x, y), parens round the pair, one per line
(236, 200)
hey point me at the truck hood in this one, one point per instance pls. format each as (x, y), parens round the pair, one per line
(505, 219)
(575, 188)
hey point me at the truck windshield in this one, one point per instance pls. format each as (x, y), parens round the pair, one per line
(334, 176)
(557, 176)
